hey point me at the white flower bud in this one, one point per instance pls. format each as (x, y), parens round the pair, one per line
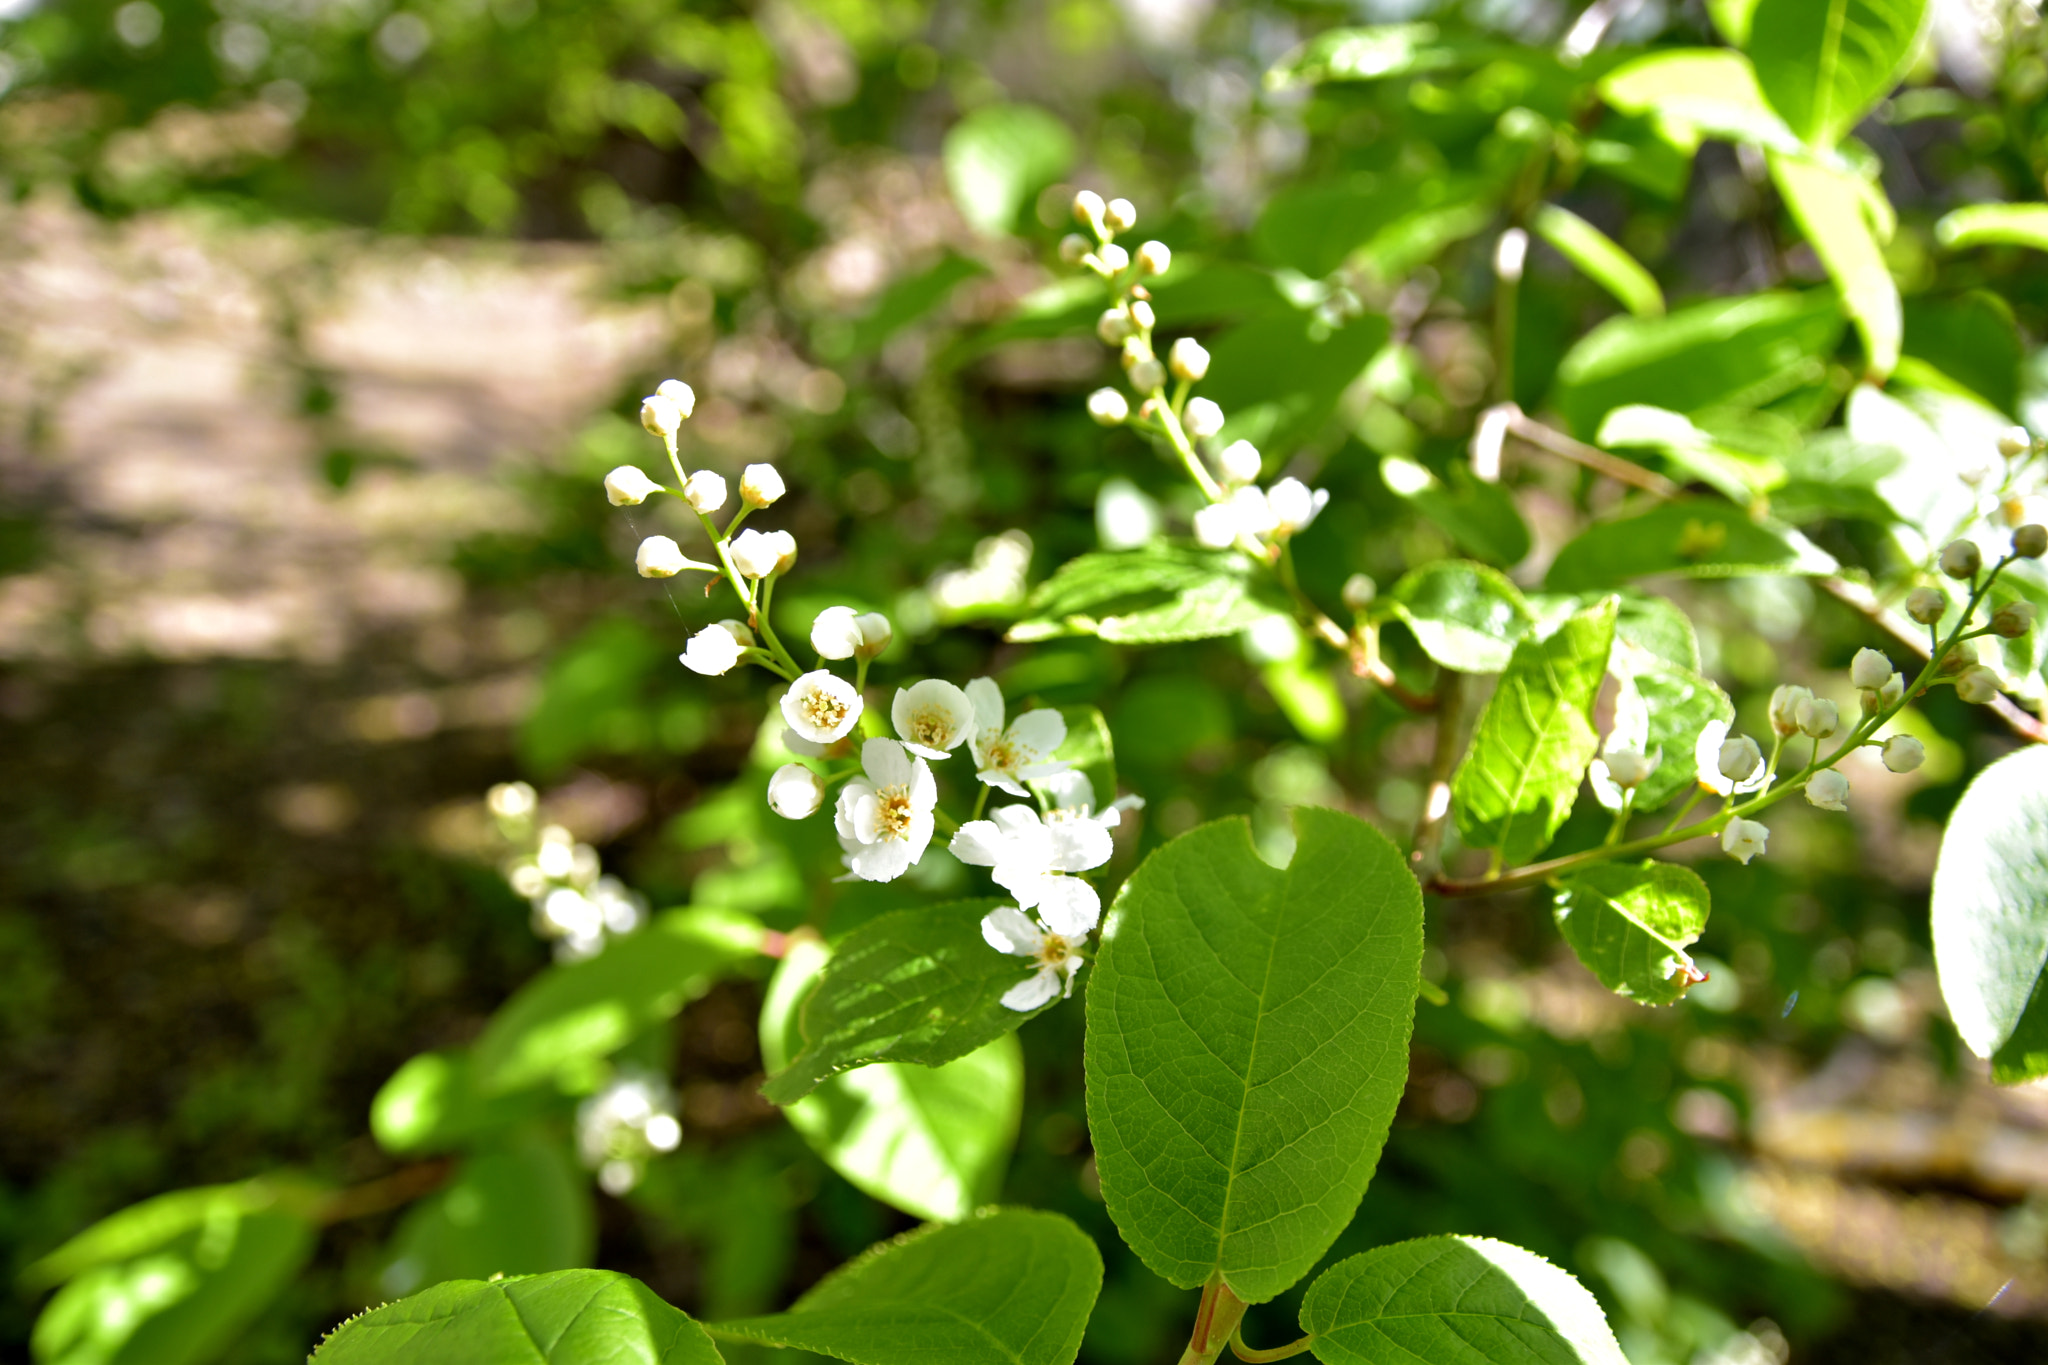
(1359, 591)
(1894, 688)
(1819, 717)
(1141, 315)
(661, 416)
(1147, 375)
(2030, 541)
(1216, 526)
(627, 486)
(1744, 839)
(1119, 215)
(1926, 605)
(1903, 753)
(1073, 247)
(715, 649)
(784, 545)
(836, 633)
(1785, 709)
(705, 491)
(1254, 512)
(875, 634)
(1109, 407)
(512, 800)
(1154, 258)
(760, 485)
(1629, 768)
(2014, 442)
(2013, 620)
(660, 557)
(1977, 685)
(794, 792)
(679, 393)
(755, 555)
(1510, 253)
(1295, 505)
(1739, 758)
(1113, 257)
(1202, 418)
(1188, 360)
(1961, 559)
(1241, 462)
(1870, 669)
(1828, 789)
(1088, 209)
(1114, 327)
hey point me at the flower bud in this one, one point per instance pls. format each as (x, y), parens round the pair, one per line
(1241, 462)
(835, 634)
(1119, 215)
(1961, 559)
(1870, 669)
(1819, 717)
(660, 557)
(2030, 541)
(1114, 327)
(1202, 418)
(760, 485)
(1903, 753)
(1828, 789)
(512, 800)
(1147, 375)
(1154, 258)
(755, 555)
(715, 649)
(2014, 442)
(1073, 247)
(705, 491)
(1894, 688)
(1629, 768)
(627, 486)
(1744, 839)
(1141, 315)
(1109, 407)
(1785, 709)
(1113, 257)
(661, 416)
(2013, 620)
(1088, 209)
(795, 792)
(1188, 360)
(875, 634)
(1216, 525)
(679, 393)
(784, 545)
(1977, 685)
(1295, 505)
(1359, 591)
(1739, 758)
(1926, 605)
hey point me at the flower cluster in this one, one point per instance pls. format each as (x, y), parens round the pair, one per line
(573, 902)
(624, 1125)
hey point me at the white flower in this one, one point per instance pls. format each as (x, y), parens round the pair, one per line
(627, 486)
(1216, 526)
(513, 800)
(1738, 759)
(887, 813)
(1819, 717)
(705, 491)
(1870, 669)
(1241, 462)
(1073, 798)
(1294, 506)
(875, 634)
(1744, 839)
(2013, 620)
(679, 393)
(1073, 247)
(836, 633)
(756, 554)
(1009, 930)
(715, 649)
(1359, 591)
(1706, 756)
(1785, 709)
(1024, 752)
(1109, 407)
(933, 717)
(2014, 442)
(1828, 789)
(1029, 856)
(1903, 753)
(1894, 688)
(660, 557)
(1202, 418)
(801, 747)
(795, 792)
(1254, 512)
(1154, 258)
(821, 707)
(1961, 559)
(1119, 215)
(760, 485)
(1188, 360)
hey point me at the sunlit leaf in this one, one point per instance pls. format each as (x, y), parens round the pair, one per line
(999, 157)
(1153, 595)
(1831, 208)
(570, 1317)
(1601, 259)
(1465, 616)
(1377, 53)
(1697, 537)
(1823, 64)
(1631, 924)
(519, 1206)
(1698, 92)
(1994, 225)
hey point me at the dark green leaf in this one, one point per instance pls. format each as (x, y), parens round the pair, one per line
(1631, 925)
(1995, 225)
(570, 1317)
(1834, 210)
(1279, 377)
(1600, 259)
(1391, 220)
(1521, 774)
(1697, 537)
(1970, 342)
(999, 157)
(1008, 1287)
(1247, 1043)
(1465, 616)
(918, 986)
(1480, 516)
(1149, 596)
(1823, 64)
(517, 1207)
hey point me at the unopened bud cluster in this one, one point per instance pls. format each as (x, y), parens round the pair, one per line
(574, 903)
(624, 1125)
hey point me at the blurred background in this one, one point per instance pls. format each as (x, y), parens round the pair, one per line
(320, 321)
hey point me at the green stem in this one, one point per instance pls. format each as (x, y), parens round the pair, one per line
(1292, 1348)
(768, 630)
(981, 801)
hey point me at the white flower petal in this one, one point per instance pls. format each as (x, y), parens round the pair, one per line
(1009, 930)
(1078, 845)
(1041, 731)
(987, 700)
(886, 763)
(1039, 989)
(884, 861)
(978, 843)
(1070, 907)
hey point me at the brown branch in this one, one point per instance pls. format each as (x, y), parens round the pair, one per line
(400, 1187)
(1549, 439)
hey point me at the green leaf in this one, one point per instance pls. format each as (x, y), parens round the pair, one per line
(905, 301)
(1732, 18)
(1741, 352)
(1455, 1301)
(1601, 259)
(1990, 915)
(570, 1317)
(1377, 53)
(1971, 344)
(1738, 474)
(1521, 774)
(997, 160)
(1660, 709)
(1994, 225)
(1153, 595)
(1279, 377)
(431, 1104)
(1307, 696)
(1465, 616)
(1698, 92)
(1247, 1043)
(570, 1016)
(931, 1140)
(1934, 436)
(1390, 221)
(1631, 926)
(1824, 64)
(174, 1279)
(1697, 537)
(1480, 517)
(918, 986)
(1833, 210)
(517, 1207)
(1008, 1287)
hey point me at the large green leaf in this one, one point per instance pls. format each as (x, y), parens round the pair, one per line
(1389, 221)
(931, 1140)
(1631, 924)
(1601, 259)
(1990, 915)
(1697, 537)
(517, 1207)
(999, 157)
(1480, 517)
(1994, 225)
(572, 1015)
(1971, 343)
(1693, 93)
(1278, 377)
(570, 1317)
(1465, 616)
(1823, 64)
(1521, 774)
(918, 986)
(1008, 1287)
(1934, 435)
(1663, 702)
(1833, 210)
(1247, 1043)
(1154, 595)
(1455, 1301)
(1377, 53)
(1740, 352)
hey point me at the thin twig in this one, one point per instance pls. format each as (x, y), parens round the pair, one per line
(400, 1187)
(1549, 439)
(1426, 857)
